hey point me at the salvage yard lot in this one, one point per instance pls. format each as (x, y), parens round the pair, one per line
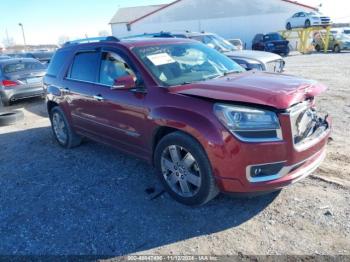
(95, 200)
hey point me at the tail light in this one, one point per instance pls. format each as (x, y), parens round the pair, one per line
(9, 83)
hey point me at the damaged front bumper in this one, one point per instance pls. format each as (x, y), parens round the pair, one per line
(271, 166)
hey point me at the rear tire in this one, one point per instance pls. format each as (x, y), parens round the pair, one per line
(184, 169)
(307, 23)
(63, 133)
(288, 26)
(317, 48)
(336, 49)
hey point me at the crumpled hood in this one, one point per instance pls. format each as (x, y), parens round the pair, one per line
(275, 90)
(255, 55)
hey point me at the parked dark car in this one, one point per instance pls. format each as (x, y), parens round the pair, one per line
(20, 78)
(205, 123)
(250, 60)
(272, 42)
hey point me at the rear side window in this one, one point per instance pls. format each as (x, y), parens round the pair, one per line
(57, 63)
(22, 66)
(85, 66)
(198, 38)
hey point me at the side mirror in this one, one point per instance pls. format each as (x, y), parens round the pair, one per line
(124, 82)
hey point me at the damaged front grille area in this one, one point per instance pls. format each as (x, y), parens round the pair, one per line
(307, 126)
(275, 66)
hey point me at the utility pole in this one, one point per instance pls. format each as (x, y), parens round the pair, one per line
(24, 37)
(7, 38)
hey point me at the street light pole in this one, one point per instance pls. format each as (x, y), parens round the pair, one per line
(24, 38)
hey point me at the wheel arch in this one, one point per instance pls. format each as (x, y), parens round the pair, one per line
(193, 124)
(50, 104)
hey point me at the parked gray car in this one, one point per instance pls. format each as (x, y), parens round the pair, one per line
(20, 78)
(248, 59)
(3, 57)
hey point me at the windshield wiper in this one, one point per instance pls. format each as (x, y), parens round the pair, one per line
(188, 82)
(231, 72)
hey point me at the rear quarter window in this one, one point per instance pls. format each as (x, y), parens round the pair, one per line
(57, 63)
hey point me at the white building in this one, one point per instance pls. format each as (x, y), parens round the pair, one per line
(228, 18)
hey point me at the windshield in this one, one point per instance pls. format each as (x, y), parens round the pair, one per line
(314, 13)
(177, 64)
(347, 31)
(344, 37)
(272, 37)
(217, 42)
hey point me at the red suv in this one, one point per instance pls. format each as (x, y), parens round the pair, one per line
(193, 113)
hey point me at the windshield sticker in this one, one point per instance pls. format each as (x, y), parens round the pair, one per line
(161, 59)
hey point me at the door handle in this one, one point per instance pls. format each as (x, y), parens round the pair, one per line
(98, 97)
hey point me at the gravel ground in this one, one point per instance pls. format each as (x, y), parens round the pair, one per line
(334, 71)
(95, 200)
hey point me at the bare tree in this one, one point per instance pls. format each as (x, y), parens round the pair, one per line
(103, 33)
(62, 39)
(8, 41)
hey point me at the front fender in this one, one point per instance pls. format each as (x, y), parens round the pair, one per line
(203, 126)
(52, 93)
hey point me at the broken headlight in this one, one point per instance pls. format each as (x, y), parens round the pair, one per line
(249, 124)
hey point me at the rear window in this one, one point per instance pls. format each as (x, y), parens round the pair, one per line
(57, 63)
(85, 66)
(22, 66)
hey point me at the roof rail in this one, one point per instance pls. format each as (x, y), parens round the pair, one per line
(92, 40)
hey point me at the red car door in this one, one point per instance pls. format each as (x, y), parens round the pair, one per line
(119, 113)
(80, 90)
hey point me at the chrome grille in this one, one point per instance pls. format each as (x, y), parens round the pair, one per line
(299, 119)
(303, 125)
(325, 20)
(306, 125)
(275, 66)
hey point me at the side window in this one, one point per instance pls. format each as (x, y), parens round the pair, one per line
(198, 38)
(57, 63)
(301, 14)
(113, 67)
(85, 66)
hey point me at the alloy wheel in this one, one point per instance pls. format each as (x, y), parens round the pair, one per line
(181, 171)
(60, 129)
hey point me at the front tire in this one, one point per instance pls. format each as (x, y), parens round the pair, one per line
(184, 169)
(62, 131)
